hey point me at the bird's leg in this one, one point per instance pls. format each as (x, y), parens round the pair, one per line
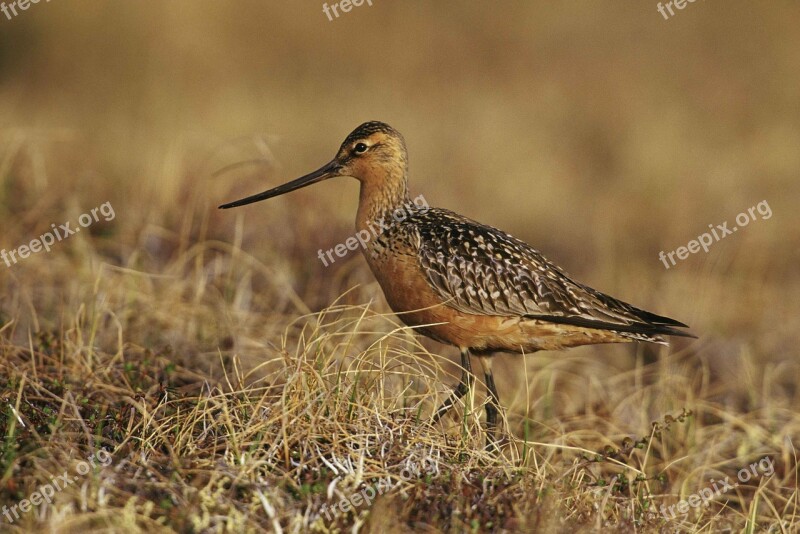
(492, 404)
(467, 380)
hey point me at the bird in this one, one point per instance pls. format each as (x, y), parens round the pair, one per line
(467, 284)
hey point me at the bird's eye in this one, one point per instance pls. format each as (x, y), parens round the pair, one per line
(360, 148)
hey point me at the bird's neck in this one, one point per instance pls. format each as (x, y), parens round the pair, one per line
(379, 199)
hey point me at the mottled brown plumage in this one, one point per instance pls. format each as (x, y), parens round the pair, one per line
(464, 283)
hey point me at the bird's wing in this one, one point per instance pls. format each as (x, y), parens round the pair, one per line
(480, 270)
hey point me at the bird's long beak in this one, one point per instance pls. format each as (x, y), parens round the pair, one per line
(323, 173)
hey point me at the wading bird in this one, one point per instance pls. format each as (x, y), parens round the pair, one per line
(466, 284)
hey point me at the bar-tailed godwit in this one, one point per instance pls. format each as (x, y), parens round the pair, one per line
(467, 284)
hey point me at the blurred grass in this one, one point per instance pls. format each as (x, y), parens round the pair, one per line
(599, 133)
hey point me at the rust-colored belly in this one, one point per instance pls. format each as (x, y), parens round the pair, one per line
(418, 305)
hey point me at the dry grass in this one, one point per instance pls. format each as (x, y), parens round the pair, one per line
(206, 441)
(240, 386)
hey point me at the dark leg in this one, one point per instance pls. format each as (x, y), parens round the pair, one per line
(492, 405)
(467, 380)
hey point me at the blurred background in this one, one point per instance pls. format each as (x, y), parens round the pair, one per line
(600, 133)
